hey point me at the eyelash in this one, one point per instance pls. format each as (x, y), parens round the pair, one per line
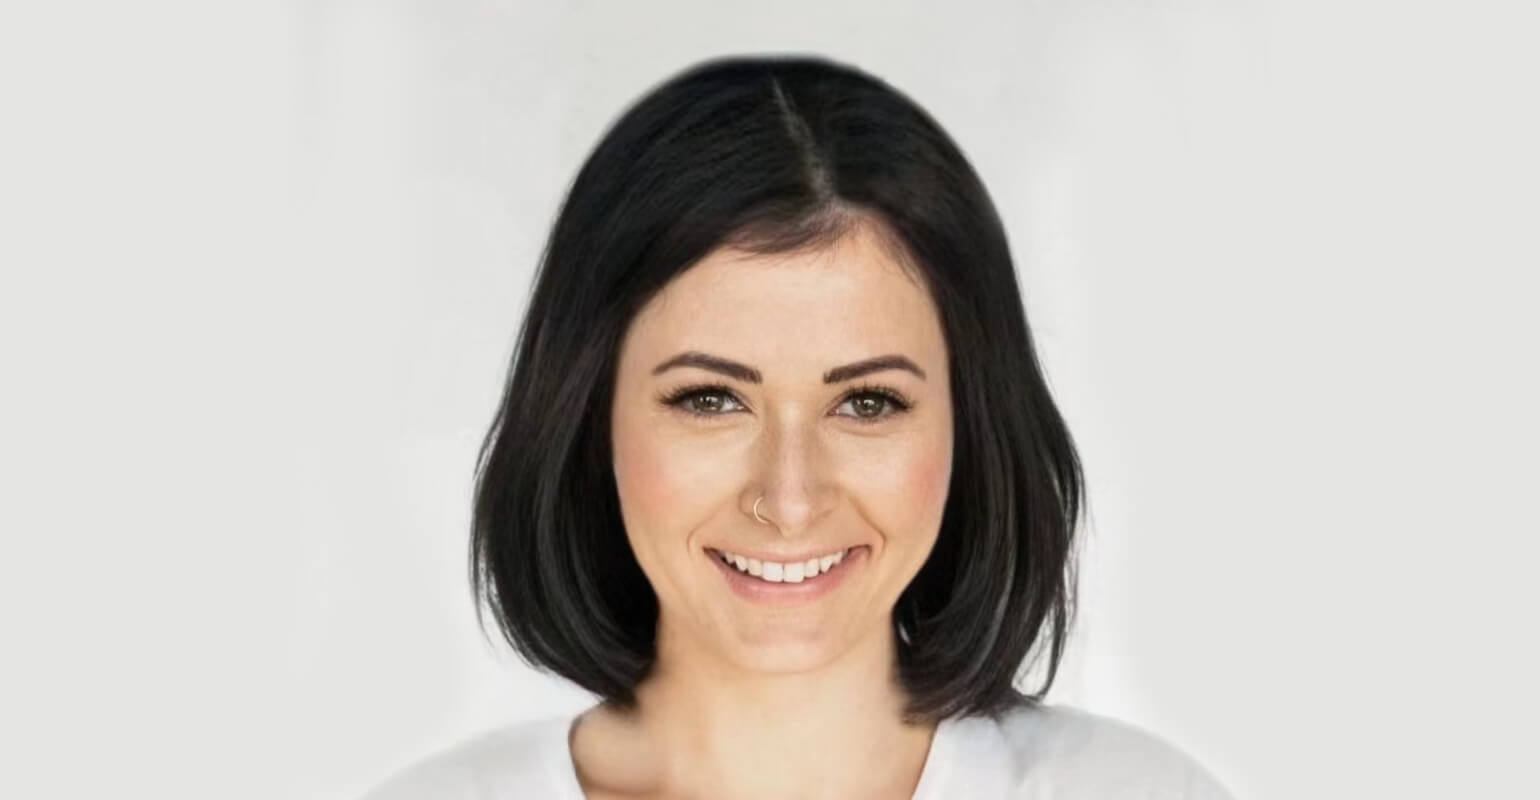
(677, 399)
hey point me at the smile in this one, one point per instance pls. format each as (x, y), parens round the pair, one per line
(789, 572)
(788, 583)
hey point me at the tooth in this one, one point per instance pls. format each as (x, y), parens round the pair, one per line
(773, 572)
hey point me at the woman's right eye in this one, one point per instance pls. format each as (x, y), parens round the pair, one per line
(706, 401)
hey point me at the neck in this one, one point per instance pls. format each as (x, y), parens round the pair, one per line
(835, 731)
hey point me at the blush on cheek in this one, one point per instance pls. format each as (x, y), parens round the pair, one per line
(662, 482)
(928, 481)
(642, 480)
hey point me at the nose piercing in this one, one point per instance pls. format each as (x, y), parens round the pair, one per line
(756, 511)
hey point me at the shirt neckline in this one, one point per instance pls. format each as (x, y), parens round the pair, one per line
(933, 774)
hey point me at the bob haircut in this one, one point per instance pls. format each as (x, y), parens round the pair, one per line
(773, 155)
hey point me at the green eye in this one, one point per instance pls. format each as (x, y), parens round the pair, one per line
(874, 400)
(703, 402)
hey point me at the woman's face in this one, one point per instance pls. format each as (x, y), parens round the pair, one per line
(837, 464)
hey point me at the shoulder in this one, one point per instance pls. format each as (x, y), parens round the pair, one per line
(509, 761)
(1062, 751)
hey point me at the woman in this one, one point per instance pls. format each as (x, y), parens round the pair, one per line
(776, 474)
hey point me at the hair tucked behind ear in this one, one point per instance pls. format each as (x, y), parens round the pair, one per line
(774, 155)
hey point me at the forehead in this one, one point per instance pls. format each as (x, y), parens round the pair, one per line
(848, 301)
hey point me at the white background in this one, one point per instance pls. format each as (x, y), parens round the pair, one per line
(263, 264)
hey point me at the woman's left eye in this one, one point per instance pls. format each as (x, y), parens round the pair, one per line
(874, 401)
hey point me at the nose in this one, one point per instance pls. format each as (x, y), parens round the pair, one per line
(794, 487)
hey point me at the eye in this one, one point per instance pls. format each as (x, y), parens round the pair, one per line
(701, 401)
(869, 402)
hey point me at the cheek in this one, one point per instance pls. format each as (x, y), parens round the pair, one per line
(903, 487)
(926, 482)
(642, 476)
(662, 481)
(934, 477)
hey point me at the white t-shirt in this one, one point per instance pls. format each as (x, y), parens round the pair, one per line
(1048, 751)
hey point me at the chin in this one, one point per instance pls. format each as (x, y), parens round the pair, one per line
(788, 652)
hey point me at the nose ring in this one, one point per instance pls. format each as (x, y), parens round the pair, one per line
(756, 511)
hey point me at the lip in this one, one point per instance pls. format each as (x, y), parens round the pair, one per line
(756, 590)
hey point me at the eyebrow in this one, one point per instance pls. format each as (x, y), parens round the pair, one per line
(748, 374)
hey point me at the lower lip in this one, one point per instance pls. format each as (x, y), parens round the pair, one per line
(751, 588)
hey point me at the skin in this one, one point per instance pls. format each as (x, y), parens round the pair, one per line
(748, 701)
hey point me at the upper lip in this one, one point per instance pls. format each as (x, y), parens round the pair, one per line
(807, 556)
